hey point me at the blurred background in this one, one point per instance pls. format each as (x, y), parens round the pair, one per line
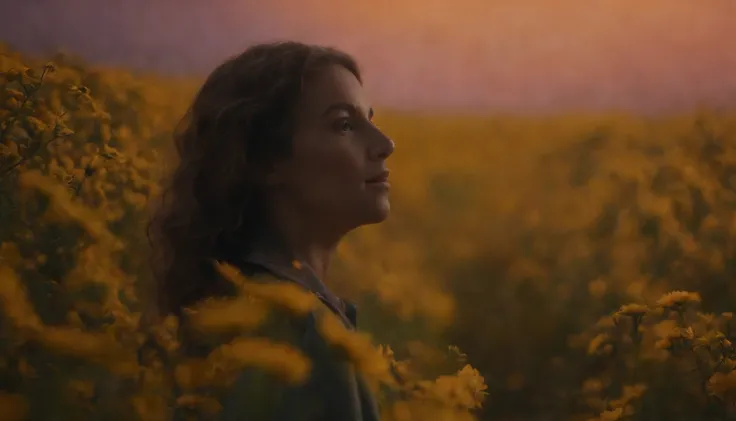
(564, 192)
(521, 57)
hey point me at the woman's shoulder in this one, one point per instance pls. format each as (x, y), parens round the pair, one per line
(261, 305)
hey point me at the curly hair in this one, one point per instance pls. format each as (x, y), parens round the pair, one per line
(241, 121)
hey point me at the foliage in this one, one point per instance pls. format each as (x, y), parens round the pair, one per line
(555, 222)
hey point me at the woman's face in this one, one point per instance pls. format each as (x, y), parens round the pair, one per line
(336, 175)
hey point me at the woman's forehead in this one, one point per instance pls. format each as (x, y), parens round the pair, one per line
(333, 85)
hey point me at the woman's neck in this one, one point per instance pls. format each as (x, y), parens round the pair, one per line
(296, 245)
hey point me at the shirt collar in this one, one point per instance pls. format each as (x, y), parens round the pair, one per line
(300, 274)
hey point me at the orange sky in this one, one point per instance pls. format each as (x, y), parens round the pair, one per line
(513, 55)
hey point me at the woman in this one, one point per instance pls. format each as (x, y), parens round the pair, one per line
(279, 160)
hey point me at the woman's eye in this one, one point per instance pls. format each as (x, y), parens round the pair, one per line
(344, 125)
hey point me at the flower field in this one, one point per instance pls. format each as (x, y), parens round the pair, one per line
(575, 267)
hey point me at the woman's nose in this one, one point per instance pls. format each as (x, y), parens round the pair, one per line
(382, 146)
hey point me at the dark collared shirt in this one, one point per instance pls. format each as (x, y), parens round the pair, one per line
(334, 390)
(347, 311)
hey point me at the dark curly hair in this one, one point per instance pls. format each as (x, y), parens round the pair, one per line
(241, 121)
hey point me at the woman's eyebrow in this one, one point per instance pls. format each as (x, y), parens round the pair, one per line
(344, 106)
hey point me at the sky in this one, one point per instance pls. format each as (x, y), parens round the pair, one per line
(477, 55)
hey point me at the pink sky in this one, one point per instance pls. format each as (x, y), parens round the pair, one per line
(511, 55)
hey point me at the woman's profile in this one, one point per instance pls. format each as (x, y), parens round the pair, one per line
(278, 161)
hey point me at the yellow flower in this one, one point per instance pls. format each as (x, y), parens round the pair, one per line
(474, 383)
(612, 415)
(75, 342)
(723, 386)
(605, 322)
(36, 124)
(633, 310)
(592, 385)
(629, 393)
(598, 344)
(14, 93)
(686, 333)
(149, 407)
(281, 359)
(465, 390)
(12, 75)
(386, 351)
(285, 295)
(729, 364)
(357, 346)
(12, 103)
(92, 221)
(677, 335)
(222, 315)
(15, 407)
(663, 343)
(678, 298)
(597, 288)
(207, 404)
(16, 305)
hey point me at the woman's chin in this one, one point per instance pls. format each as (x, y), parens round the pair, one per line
(378, 212)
